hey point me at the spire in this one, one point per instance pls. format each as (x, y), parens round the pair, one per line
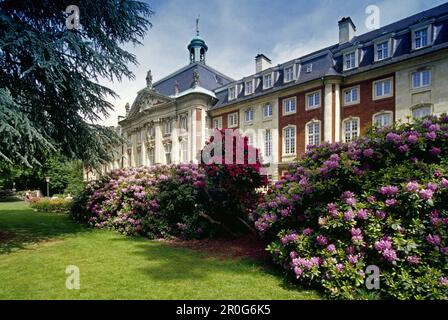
(197, 47)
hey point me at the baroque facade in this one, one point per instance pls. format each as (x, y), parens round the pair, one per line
(395, 73)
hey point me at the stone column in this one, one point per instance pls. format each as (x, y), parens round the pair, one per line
(328, 112)
(337, 116)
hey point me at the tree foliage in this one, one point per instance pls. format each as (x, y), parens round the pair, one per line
(49, 91)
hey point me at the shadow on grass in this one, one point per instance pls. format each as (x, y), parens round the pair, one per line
(21, 226)
(170, 263)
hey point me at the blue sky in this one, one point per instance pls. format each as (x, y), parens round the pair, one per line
(235, 31)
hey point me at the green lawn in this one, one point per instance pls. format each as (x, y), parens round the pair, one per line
(35, 249)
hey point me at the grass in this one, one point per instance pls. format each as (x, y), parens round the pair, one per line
(36, 248)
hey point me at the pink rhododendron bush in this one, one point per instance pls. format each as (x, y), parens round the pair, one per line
(379, 203)
(185, 200)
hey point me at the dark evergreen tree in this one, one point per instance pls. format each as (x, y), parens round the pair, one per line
(49, 72)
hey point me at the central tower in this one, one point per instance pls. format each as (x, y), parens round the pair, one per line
(197, 47)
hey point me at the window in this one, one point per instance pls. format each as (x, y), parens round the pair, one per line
(267, 81)
(139, 158)
(250, 139)
(382, 120)
(151, 156)
(350, 61)
(289, 106)
(289, 140)
(309, 68)
(421, 38)
(268, 143)
(351, 96)
(382, 50)
(151, 132)
(382, 89)
(249, 87)
(184, 151)
(233, 120)
(313, 132)
(232, 93)
(168, 153)
(267, 110)
(249, 115)
(217, 123)
(167, 127)
(421, 79)
(129, 139)
(289, 74)
(313, 100)
(184, 123)
(351, 129)
(421, 112)
(139, 137)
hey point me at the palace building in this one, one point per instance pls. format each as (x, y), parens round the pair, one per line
(396, 73)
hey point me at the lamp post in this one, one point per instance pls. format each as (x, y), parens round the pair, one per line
(47, 179)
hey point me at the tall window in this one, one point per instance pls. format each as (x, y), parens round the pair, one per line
(289, 74)
(382, 50)
(167, 128)
(249, 87)
(289, 140)
(289, 105)
(313, 100)
(168, 153)
(421, 79)
(217, 123)
(151, 132)
(232, 93)
(351, 130)
(351, 96)
(350, 60)
(313, 129)
(129, 158)
(382, 120)
(267, 110)
(421, 38)
(184, 123)
(151, 156)
(421, 112)
(382, 89)
(267, 81)
(233, 120)
(184, 151)
(139, 137)
(139, 158)
(268, 143)
(249, 115)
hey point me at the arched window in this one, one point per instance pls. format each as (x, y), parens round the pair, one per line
(383, 119)
(421, 111)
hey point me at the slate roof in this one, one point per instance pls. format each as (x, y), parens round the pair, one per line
(329, 61)
(209, 79)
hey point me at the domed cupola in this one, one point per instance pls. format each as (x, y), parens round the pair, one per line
(197, 47)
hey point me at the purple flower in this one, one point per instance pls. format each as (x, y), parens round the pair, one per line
(298, 271)
(393, 137)
(339, 267)
(350, 201)
(432, 186)
(293, 255)
(307, 231)
(371, 199)
(433, 239)
(431, 136)
(413, 260)
(389, 190)
(362, 214)
(412, 139)
(331, 248)
(435, 151)
(322, 240)
(444, 183)
(352, 259)
(348, 215)
(289, 238)
(403, 148)
(391, 202)
(443, 281)
(383, 245)
(368, 152)
(390, 255)
(412, 186)
(444, 250)
(426, 194)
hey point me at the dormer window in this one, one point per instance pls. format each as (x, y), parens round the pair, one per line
(309, 68)
(350, 60)
(249, 87)
(421, 38)
(232, 93)
(289, 74)
(267, 81)
(382, 50)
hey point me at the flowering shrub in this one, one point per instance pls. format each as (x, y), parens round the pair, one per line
(58, 205)
(184, 200)
(232, 180)
(380, 200)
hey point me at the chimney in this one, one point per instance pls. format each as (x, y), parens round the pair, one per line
(347, 30)
(261, 63)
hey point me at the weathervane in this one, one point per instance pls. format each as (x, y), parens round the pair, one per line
(197, 24)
